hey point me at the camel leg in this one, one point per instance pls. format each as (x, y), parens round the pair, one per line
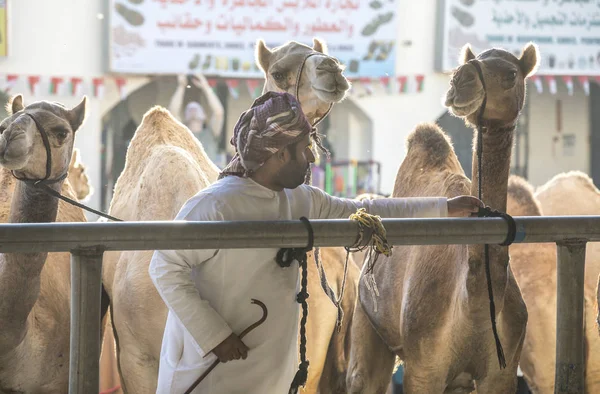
(371, 361)
(512, 333)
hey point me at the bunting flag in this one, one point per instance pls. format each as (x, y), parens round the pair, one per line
(233, 86)
(76, 86)
(387, 83)
(366, 84)
(420, 79)
(585, 84)
(551, 81)
(402, 84)
(11, 81)
(98, 87)
(56, 85)
(121, 85)
(34, 84)
(538, 83)
(569, 82)
(254, 87)
(213, 84)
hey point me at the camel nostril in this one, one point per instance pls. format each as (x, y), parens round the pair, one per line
(329, 65)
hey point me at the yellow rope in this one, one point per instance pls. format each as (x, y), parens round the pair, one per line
(378, 236)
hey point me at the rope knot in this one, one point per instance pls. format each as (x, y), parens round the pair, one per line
(300, 378)
(302, 296)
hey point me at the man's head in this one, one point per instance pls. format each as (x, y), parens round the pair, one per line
(273, 142)
(194, 117)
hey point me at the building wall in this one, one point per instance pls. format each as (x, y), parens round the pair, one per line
(555, 121)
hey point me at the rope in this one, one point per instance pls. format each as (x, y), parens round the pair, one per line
(284, 258)
(377, 245)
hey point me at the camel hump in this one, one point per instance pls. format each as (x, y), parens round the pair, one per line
(572, 180)
(430, 142)
(158, 115)
(521, 199)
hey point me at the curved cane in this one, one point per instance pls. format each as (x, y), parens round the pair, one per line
(243, 334)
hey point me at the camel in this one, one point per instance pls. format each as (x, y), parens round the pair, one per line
(571, 193)
(78, 177)
(163, 151)
(432, 308)
(35, 296)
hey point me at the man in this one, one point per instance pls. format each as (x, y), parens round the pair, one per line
(208, 292)
(207, 129)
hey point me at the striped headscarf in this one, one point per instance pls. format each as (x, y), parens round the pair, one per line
(274, 121)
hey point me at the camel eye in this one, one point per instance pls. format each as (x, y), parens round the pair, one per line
(278, 76)
(61, 133)
(511, 75)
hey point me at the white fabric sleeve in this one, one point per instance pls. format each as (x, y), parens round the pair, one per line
(330, 207)
(171, 270)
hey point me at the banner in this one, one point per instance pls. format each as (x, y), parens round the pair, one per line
(3, 29)
(218, 37)
(567, 32)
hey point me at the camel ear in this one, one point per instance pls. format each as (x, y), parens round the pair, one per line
(466, 54)
(74, 158)
(529, 60)
(15, 104)
(76, 116)
(320, 46)
(263, 55)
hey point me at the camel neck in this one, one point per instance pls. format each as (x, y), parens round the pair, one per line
(21, 272)
(497, 151)
(32, 205)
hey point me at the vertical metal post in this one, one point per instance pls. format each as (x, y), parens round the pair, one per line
(86, 293)
(570, 270)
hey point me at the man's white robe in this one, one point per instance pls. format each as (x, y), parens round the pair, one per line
(208, 292)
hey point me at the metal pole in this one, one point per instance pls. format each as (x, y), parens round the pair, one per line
(86, 292)
(569, 375)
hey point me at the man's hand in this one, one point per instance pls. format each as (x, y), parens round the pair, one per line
(231, 348)
(463, 206)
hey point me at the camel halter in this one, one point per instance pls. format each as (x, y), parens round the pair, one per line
(488, 212)
(44, 183)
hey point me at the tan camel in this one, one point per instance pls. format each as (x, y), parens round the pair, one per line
(433, 309)
(571, 193)
(35, 296)
(78, 177)
(165, 166)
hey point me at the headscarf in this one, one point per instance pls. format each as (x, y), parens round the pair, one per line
(274, 121)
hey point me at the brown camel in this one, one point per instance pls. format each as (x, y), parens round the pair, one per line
(571, 193)
(164, 150)
(78, 177)
(35, 296)
(432, 308)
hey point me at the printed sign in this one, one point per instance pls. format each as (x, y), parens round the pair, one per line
(218, 37)
(567, 31)
(3, 29)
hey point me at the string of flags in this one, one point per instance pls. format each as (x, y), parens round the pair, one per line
(41, 85)
(568, 80)
(360, 87)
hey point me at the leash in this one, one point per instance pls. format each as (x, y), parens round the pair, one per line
(284, 258)
(43, 184)
(488, 212)
(242, 335)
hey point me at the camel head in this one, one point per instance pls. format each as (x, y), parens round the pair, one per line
(78, 176)
(321, 84)
(22, 148)
(504, 75)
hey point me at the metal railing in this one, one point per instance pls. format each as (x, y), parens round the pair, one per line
(88, 241)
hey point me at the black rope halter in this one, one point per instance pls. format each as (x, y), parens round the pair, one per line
(46, 181)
